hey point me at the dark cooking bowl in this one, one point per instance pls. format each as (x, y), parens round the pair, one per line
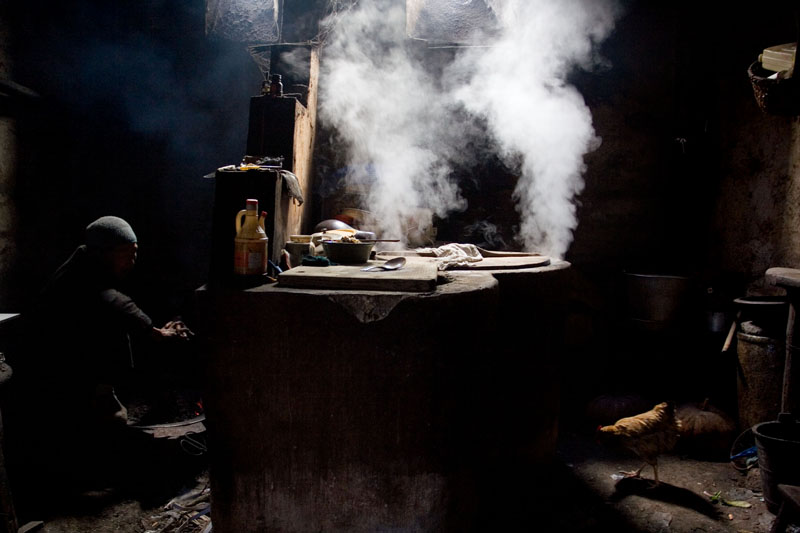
(348, 252)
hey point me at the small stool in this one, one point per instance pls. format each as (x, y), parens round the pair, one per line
(790, 508)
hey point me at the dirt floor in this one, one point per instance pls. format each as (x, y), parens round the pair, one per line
(106, 511)
(681, 503)
(581, 492)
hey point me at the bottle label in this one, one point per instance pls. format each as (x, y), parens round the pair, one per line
(250, 257)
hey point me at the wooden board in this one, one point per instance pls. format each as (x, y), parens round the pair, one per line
(501, 263)
(495, 261)
(415, 276)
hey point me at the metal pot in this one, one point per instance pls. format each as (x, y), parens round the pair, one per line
(659, 299)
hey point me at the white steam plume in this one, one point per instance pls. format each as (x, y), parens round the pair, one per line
(397, 117)
(538, 121)
(389, 112)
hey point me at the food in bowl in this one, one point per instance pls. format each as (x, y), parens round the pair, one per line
(347, 251)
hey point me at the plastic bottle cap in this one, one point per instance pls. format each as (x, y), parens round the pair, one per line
(252, 204)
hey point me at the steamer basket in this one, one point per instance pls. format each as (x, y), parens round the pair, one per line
(774, 96)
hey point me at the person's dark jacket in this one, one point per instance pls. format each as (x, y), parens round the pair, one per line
(86, 324)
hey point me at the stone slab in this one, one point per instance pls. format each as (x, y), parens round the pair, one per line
(784, 277)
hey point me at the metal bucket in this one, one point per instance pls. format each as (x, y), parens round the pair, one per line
(658, 300)
(778, 445)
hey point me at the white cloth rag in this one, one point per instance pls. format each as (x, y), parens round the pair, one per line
(293, 186)
(453, 255)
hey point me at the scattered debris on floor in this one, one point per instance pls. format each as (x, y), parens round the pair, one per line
(188, 513)
(717, 498)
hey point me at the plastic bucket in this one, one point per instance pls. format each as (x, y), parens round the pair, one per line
(778, 445)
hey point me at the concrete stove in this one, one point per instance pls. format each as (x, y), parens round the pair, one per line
(353, 410)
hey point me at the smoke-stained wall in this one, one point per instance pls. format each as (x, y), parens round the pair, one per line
(791, 222)
(757, 217)
(8, 218)
(748, 173)
(137, 105)
(681, 133)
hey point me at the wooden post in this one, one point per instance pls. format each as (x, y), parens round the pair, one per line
(285, 126)
(789, 279)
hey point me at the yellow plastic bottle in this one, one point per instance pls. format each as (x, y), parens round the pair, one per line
(251, 243)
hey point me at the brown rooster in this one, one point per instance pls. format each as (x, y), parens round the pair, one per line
(647, 434)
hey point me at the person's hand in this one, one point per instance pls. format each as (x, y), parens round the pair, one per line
(179, 328)
(173, 328)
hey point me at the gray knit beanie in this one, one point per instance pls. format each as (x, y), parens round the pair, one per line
(108, 232)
